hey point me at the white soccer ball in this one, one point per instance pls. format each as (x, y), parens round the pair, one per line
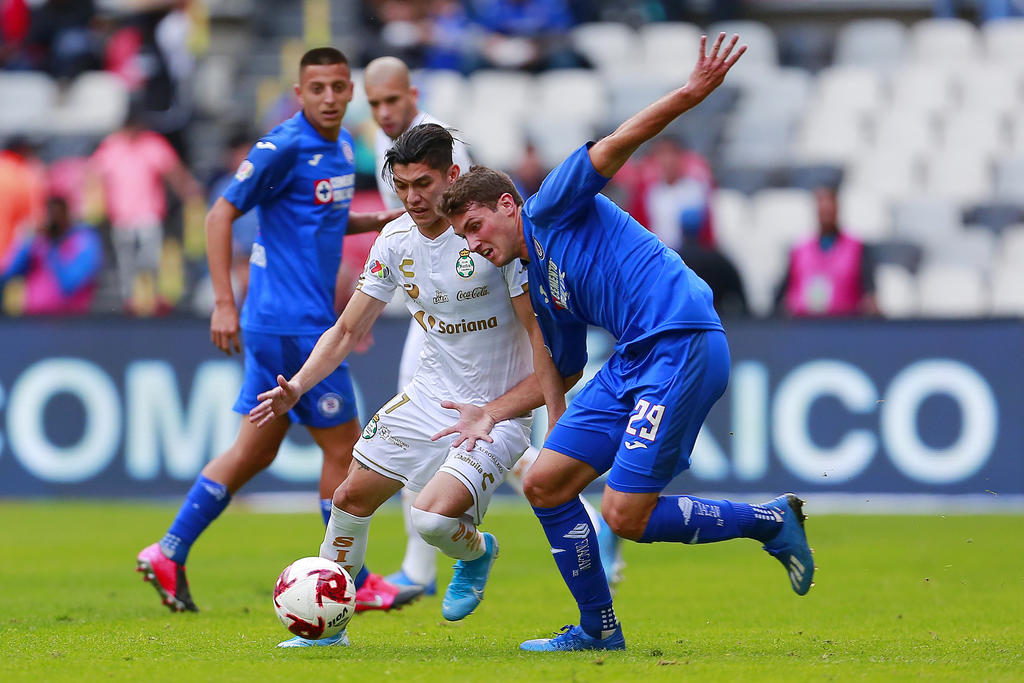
(314, 598)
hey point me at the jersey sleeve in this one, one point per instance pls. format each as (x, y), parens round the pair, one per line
(566, 340)
(567, 190)
(516, 278)
(262, 174)
(378, 278)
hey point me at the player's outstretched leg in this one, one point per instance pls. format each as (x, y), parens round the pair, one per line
(790, 545)
(163, 564)
(340, 639)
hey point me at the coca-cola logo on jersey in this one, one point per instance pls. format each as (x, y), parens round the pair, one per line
(475, 293)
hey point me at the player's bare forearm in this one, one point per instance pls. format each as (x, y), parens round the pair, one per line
(373, 221)
(218, 248)
(611, 152)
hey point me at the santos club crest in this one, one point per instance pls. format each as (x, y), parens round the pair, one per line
(464, 266)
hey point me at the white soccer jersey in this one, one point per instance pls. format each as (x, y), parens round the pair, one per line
(475, 349)
(383, 143)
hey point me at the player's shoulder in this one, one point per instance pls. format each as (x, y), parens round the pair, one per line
(282, 138)
(398, 229)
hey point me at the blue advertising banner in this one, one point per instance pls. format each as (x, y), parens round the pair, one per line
(123, 407)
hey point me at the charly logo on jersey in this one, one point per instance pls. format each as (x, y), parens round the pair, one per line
(371, 427)
(475, 293)
(346, 150)
(539, 249)
(557, 286)
(330, 404)
(245, 171)
(379, 270)
(430, 323)
(440, 297)
(464, 266)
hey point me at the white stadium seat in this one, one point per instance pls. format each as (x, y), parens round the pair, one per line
(1008, 290)
(965, 177)
(944, 40)
(952, 291)
(1004, 40)
(873, 43)
(96, 103)
(610, 46)
(895, 291)
(864, 213)
(28, 98)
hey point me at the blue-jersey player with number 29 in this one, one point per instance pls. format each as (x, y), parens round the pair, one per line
(591, 263)
(300, 177)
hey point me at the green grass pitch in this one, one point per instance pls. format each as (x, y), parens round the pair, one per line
(897, 598)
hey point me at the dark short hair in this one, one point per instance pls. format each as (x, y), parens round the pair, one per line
(481, 185)
(322, 56)
(427, 143)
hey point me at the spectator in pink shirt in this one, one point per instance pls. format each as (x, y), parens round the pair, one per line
(130, 167)
(59, 264)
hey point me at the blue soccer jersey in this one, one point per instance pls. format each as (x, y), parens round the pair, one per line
(591, 263)
(301, 184)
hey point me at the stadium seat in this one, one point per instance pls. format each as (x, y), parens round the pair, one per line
(747, 179)
(442, 93)
(1016, 128)
(905, 131)
(988, 86)
(669, 49)
(974, 248)
(951, 291)
(832, 136)
(1009, 181)
(923, 87)
(854, 88)
(762, 55)
(897, 252)
(944, 40)
(28, 98)
(1004, 40)
(1008, 290)
(1010, 251)
(864, 213)
(963, 176)
(923, 219)
(731, 211)
(556, 136)
(981, 131)
(487, 148)
(786, 89)
(892, 173)
(510, 91)
(994, 216)
(96, 103)
(895, 291)
(880, 44)
(610, 46)
(571, 93)
(787, 215)
(810, 176)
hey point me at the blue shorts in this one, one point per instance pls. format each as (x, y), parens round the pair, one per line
(640, 415)
(330, 403)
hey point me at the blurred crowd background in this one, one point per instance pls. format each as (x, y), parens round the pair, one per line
(864, 158)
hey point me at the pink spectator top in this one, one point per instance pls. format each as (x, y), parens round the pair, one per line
(132, 169)
(59, 279)
(825, 282)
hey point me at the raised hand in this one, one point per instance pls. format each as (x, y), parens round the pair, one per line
(474, 425)
(275, 402)
(710, 69)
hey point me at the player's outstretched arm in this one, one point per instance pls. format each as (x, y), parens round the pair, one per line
(373, 221)
(475, 422)
(224, 319)
(611, 152)
(331, 349)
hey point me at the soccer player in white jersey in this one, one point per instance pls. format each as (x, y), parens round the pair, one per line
(479, 327)
(394, 105)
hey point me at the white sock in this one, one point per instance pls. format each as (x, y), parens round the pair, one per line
(420, 561)
(457, 538)
(345, 540)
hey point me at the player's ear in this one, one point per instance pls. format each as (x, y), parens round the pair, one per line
(415, 92)
(453, 173)
(507, 204)
(298, 91)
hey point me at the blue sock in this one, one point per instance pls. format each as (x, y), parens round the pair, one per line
(574, 546)
(688, 519)
(203, 504)
(325, 509)
(361, 577)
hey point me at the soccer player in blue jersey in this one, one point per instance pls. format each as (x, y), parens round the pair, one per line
(300, 178)
(591, 263)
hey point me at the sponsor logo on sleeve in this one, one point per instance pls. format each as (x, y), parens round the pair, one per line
(245, 171)
(379, 270)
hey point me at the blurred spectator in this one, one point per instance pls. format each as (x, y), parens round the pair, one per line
(61, 38)
(525, 34)
(987, 10)
(667, 180)
(14, 23)
(22, 192)
(129, 169)
(711, 266)
(831, 273)
(529, 171)
(59, 264)
(430, 34)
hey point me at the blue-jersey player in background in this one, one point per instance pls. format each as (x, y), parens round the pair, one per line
(300, 178)
(591, 263)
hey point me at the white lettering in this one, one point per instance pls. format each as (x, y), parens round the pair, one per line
(793, 401)
(978, 410)
(749, 436)
(98, 444)
(157, 424)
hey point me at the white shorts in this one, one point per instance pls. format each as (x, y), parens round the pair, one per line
(396, 444)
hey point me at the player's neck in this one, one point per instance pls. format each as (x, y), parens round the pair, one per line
(434, 230)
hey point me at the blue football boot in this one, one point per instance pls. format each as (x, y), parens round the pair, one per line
(400, 578)
(575, 638)
(790, 545)
(466, 589)
(340, 639)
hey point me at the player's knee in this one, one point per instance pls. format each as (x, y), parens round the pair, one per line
(542, 492)
(347, 498)
(432, 527)
(626, 523)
